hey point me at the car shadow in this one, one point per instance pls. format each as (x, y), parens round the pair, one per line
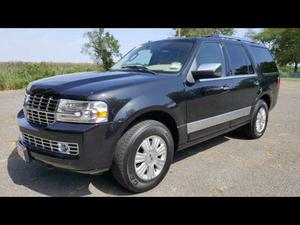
(237, 134)
(50, 181)
(203, 146)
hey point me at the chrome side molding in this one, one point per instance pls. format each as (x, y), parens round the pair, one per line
(215, 120)
(230, 77)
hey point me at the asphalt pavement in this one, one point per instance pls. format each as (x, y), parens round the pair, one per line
(224, 166)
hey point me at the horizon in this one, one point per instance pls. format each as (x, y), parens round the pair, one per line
(64, 45)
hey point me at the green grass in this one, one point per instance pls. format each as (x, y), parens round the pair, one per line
(290, 79)
(16, 75)
(289, 74)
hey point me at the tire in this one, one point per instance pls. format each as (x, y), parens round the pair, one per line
(124, 167)
(251, 130)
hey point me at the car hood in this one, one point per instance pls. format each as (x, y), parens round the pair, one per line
(82, 85)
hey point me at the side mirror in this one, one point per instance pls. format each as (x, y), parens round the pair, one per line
(207, 70)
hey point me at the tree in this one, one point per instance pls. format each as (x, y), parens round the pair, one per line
(190, 32)
(101, 46)
(267, 37)
(284, 44)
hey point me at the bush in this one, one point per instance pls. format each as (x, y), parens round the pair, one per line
(17, 75)
(286, 69)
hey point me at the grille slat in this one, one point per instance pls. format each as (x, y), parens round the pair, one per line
(40, 109)
(49, 145)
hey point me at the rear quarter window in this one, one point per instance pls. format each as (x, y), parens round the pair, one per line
(264, 60)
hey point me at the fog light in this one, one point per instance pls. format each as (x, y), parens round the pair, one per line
(63, 148)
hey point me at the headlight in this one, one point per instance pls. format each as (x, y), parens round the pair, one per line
(82, 111)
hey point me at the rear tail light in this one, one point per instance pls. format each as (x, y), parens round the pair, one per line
(278, 82)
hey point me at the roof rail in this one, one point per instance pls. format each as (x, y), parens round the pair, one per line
(176, 37)
(233, 38)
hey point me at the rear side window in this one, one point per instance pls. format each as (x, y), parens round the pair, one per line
(264, 59)
(239, 60)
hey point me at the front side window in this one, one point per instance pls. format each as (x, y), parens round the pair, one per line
(164, 56)
(239, 60)
(211, 53)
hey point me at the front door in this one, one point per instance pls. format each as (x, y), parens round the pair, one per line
(208, 100)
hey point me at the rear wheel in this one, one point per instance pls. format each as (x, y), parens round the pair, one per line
(143, 156)
(259, 120)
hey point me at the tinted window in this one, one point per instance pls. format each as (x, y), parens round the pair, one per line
(239, 60)
(264, 59)
(211, 53)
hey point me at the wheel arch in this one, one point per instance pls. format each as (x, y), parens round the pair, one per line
(158, 114)
(267, 98)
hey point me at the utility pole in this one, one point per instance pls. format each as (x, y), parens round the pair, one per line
(179, 32)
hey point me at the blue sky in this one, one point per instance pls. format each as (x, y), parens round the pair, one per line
(64, 45)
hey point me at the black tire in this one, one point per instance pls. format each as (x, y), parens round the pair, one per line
(123, 168)
(250, 130)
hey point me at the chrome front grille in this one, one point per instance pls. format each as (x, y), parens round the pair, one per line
(40, 109)
(50, 145)
(40, 117)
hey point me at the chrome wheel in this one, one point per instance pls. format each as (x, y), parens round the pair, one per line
(150, 158)
(261, 120)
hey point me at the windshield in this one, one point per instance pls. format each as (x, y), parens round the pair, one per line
(164, 56)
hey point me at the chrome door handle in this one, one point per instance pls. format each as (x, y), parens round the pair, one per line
(226, 88)
(256, 83)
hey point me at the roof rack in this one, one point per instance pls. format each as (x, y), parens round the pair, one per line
(233, 38)
(177, 37)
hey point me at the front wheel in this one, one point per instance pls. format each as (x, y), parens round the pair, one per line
(259, 120)
(143, 156)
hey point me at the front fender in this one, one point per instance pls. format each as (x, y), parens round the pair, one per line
(147, 103)
(142, 104)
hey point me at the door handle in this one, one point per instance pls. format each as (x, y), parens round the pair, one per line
(216, 90)
(226, 88)
(256, 82)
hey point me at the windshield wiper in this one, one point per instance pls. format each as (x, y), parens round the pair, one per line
(139, 68)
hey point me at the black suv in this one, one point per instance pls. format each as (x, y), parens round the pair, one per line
(161, 97)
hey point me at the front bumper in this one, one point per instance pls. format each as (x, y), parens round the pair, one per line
(96, 144)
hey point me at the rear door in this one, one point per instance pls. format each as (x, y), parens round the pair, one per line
(245, 82)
